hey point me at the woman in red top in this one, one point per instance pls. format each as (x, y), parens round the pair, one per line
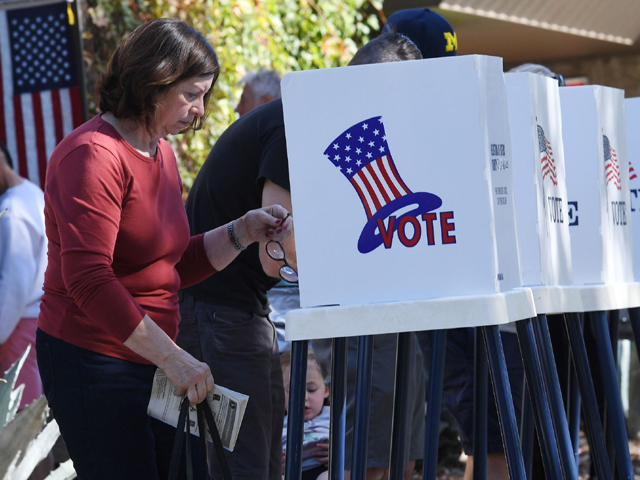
(119, 250)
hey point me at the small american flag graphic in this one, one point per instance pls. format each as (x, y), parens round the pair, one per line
(547, 162)
(362, 155)
(611, 164)
(632, 172)
(40, 100)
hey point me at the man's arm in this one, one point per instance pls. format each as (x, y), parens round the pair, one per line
(274, 194)
(18, 268)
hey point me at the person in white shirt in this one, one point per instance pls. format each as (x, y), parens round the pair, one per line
(23, 260)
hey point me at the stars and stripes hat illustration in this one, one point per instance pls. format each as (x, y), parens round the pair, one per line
(361, 153)
(611, 164)
(547, 162)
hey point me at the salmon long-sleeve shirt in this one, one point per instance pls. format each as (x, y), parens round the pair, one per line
(118, 241)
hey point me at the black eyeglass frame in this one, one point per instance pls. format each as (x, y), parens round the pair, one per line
(283, 259)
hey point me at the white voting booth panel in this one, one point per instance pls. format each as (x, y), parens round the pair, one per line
(402, 192)
(632, 106)
(596, 159)
(540, 191)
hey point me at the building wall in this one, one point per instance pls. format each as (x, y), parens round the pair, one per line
(621, 71)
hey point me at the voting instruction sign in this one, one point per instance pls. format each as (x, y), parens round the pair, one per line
(539, 176)
(401, 181)
(595, 140)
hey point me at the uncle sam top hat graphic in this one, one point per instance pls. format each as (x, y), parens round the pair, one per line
(611, 165)
(362, 155)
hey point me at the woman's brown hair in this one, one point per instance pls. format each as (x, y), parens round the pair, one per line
(150, 61)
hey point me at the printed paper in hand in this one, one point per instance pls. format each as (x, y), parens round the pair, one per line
(228, 409)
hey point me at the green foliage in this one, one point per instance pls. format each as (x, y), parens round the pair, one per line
(285, 35)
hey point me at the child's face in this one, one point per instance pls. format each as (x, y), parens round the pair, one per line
(316, 392)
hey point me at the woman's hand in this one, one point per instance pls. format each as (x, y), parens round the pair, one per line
(263, 224)
(260, 225)
(185, 372)
(188, 375)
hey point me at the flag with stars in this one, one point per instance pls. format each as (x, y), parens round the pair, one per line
(362, 155)
(547, 162)
(611, 165)
(40, 100)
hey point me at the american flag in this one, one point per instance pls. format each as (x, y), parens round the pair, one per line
(40, 99)
(547, 162)
(632, 172)
(362, 154)
(611, 166)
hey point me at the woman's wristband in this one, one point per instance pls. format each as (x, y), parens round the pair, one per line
(233, 237)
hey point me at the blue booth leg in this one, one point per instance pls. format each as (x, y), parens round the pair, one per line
(338, 408)
(295, 425)
(527, 430)
(554, 394)
(595, 434)
(614, 330)
(400, 406)
(615, 415)
(504, 401)
(634, 318)
(573, 413)
(361, 421)
(480, 405)
(573, 407)
(542, 415)
(434, 401)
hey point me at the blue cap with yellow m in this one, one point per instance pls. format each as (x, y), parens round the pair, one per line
(430, 31)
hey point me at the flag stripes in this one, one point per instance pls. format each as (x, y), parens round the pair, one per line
(33, 121)
(378, 183)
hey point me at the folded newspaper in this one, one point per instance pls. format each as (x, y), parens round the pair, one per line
(227, 406)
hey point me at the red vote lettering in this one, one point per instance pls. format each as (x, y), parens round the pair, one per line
(402, 234)
(447, 227)
(428, 221)
(387, 234)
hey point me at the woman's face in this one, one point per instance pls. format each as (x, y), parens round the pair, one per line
(178, 106)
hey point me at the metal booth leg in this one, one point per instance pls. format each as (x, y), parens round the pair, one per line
(338, 408)
(504, 402)
(434, 401)
(595, 434)
(614, 331)
(615, 415)
(361, 421)
(574, 404)
(539, 402)
(400, 406)
(480, 405)
(527, 430)
(295, 424)
(554, 394)
(634, 318)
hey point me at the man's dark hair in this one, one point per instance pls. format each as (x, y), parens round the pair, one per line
(148, 62)
(5, 154)
(388, 47)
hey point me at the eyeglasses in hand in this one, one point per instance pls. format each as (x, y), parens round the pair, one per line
(275, 250)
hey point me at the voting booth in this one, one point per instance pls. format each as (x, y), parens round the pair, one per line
(401, 197)
(540, 191)
(632, 107)
(595, 139)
